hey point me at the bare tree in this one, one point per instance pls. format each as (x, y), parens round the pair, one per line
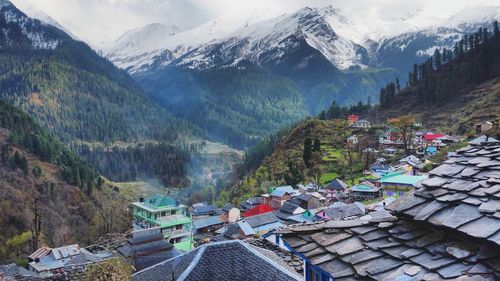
(349, 154)
(404, 128)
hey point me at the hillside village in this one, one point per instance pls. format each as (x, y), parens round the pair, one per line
(286, 228)
(401, 190)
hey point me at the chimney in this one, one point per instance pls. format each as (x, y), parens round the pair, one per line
(141, 199)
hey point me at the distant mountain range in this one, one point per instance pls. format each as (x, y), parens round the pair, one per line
(318, 52)
(225, 41)
(238, 79)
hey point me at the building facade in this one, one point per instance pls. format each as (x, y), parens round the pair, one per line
(169, 215)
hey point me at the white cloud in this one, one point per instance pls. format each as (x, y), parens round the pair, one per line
(101, 21)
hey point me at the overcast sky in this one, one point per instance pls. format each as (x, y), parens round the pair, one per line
(102, 21)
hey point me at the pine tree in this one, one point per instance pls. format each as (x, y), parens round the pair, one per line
(496, 30)
(316, 145)
(398, 86)
(307, 152)
(415, 74)
(382, 97)
(437, 59)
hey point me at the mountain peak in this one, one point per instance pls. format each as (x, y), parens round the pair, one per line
(478, 14)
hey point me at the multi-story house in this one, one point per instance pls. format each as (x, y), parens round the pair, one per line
(169, 215)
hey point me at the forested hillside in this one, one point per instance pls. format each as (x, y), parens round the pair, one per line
(48, 195)
(235, 105)
(80, 96)
(454, 88)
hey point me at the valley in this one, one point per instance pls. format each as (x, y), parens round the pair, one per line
(184, 133)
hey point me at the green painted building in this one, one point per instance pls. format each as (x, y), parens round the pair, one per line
(168, 214)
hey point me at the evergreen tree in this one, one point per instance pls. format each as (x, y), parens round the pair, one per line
(415, 74)
(398, 86)
(307, 152)
(496, 30)
(437, 59)
(316, 145)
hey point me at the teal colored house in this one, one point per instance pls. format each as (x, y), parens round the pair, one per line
(400, 180)
(167, 214)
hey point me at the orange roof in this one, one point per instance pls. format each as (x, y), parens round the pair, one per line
(258, 210)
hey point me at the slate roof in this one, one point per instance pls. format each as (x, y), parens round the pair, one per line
(342, 211)
(226, 208)
(146, 248)
(481, 139)
(203, 210)
(289, 207)
(337, 184)
(255, 200)
(206, 222)
(263, 219)
(226, 260)
(304, 197)
(382, 247)
(462, 194)
(13, 272)
(251, 202)
(448, 228)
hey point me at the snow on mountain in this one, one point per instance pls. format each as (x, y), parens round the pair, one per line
(414, 46)
(39, 38)
(253, 41)
(262, 38)
(474, 15)
(227, 39)
(26, 7)
(160, 46)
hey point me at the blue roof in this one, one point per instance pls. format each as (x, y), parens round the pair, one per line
(282, 190)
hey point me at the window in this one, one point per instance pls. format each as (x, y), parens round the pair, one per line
(163, 214)
(173, 212)
(178, 226)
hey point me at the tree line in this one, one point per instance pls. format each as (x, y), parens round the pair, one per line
(34, 139)
(445, 73)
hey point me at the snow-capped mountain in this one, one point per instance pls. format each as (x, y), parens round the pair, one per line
(325, 30)
(215, 43)
(158, 45)
(411, 47)
(263, 40)
(32, 12)
(38, 34)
